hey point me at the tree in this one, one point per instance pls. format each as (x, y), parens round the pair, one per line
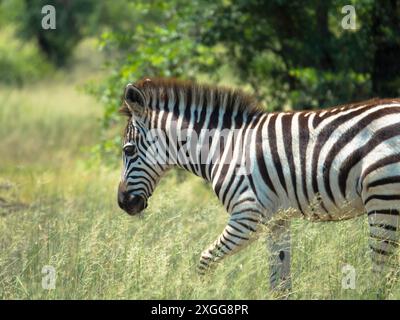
(297, 52)
(385, 30)
(57, 44)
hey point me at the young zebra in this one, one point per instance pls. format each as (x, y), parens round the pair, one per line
(326, 165)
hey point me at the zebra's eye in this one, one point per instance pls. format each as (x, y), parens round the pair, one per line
(129, 150)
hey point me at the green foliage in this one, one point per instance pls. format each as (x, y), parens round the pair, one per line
(297, 52)
(20, 62)
(56, 44)
(163, 41)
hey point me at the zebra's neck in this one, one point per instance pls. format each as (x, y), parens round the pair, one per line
(204, 135)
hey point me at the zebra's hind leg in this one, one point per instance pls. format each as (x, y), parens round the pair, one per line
(279, 245)
(383, 221)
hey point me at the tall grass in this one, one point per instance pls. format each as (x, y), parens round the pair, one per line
(56, 210)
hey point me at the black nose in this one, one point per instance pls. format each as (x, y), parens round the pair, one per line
(130, 203)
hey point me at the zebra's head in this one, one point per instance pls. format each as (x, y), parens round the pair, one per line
(139, 175)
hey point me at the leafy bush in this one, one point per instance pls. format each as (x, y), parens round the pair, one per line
(163, 39)
(297, 53)
(20, 62)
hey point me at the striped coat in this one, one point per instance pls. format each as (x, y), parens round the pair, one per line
(325, 165)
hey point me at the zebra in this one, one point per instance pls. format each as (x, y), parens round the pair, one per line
(322, 165)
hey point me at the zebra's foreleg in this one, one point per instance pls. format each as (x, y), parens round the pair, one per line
(239, 232)
(279, 246)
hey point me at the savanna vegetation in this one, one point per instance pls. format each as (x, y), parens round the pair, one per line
(60, 141)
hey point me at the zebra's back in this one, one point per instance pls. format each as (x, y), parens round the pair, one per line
(320, 162)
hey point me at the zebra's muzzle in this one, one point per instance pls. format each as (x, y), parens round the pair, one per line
(131, 204)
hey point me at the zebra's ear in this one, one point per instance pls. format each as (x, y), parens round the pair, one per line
(134, 99)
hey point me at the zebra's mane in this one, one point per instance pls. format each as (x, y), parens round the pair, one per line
(208, 95)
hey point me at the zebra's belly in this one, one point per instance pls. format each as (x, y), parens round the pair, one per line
(314, 211)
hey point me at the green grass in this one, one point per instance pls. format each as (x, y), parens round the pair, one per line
(56, 209)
